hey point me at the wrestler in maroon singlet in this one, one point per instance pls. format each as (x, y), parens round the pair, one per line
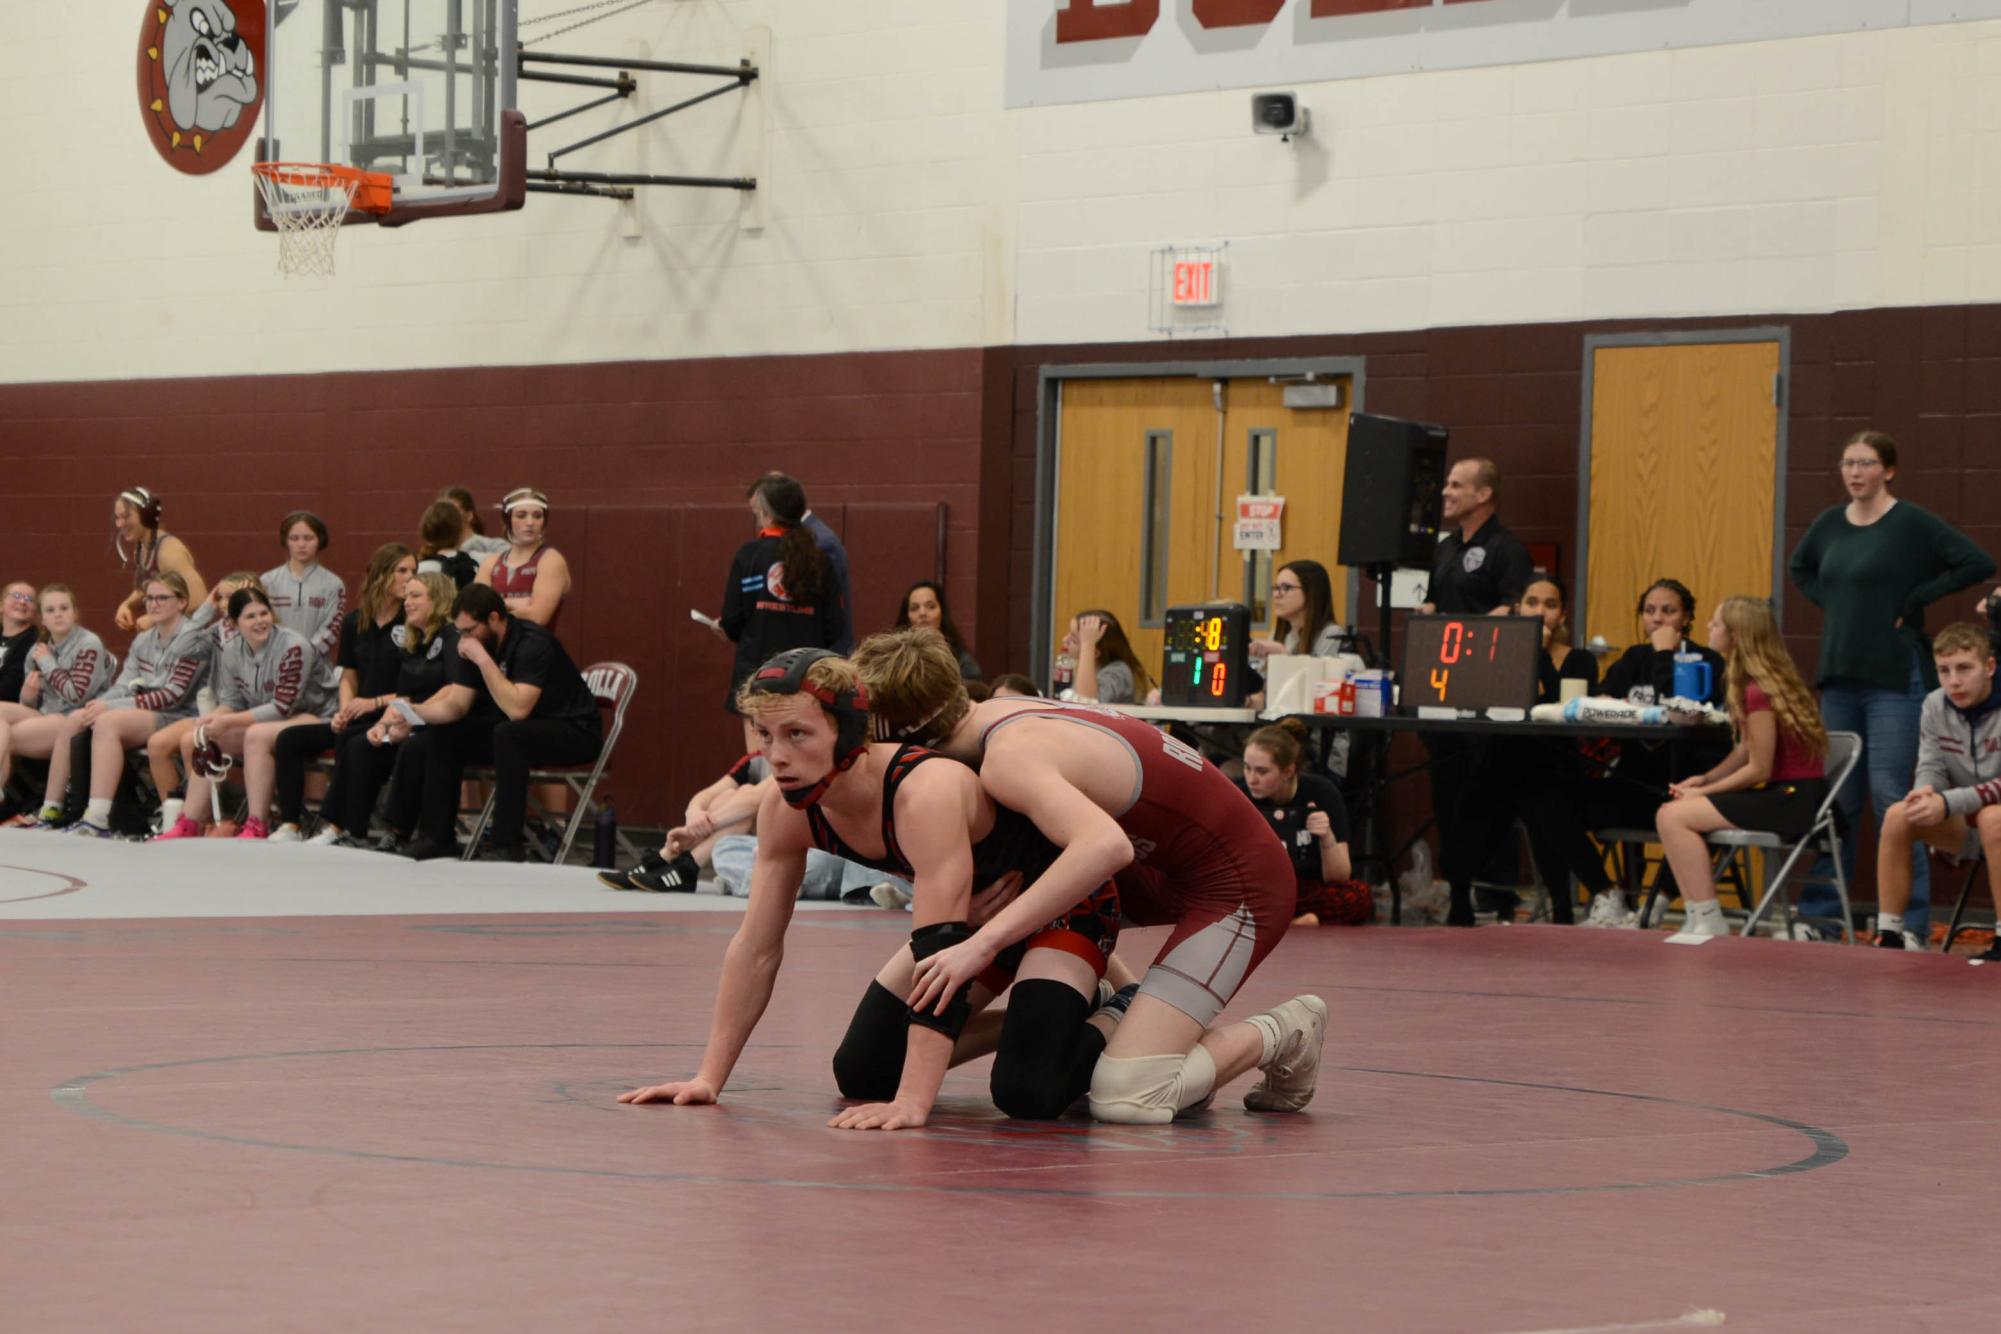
(519, 581)
(1204, 860)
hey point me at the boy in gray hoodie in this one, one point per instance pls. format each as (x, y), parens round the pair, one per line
(1956, 795)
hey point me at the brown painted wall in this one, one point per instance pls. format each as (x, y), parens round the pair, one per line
(646, 465)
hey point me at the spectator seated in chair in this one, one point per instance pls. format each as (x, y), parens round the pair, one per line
(68, 671)
(924, 604)
(516, 701)
(368, 661)
(1311, 820)
(1953, 806)
(427, 659)
(1618, 784)
(268, 677)
(1108, 671)
(167, 665)
(1774, 779)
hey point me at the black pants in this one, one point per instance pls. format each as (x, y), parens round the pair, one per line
(295, 748)
(512, 748)
(359, 771)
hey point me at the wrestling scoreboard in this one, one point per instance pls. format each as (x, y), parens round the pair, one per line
(1469, 662)
(1207, 658)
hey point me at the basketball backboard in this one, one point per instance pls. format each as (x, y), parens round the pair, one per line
(421, 90)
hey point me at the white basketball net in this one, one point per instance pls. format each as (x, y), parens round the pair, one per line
(307, 208)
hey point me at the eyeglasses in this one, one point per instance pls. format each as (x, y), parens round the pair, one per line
(152, 598)
(28, 598)
(1285, 588)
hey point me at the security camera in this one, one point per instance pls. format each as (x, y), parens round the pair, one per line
(1278, 113)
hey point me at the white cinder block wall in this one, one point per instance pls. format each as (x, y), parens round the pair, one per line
(906, 208)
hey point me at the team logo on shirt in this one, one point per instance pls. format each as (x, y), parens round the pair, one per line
(1474, 558)
(774, 581)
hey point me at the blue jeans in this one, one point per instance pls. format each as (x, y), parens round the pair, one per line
(1887, 722)
(827, 876)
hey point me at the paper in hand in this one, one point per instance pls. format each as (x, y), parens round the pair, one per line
(707, 620)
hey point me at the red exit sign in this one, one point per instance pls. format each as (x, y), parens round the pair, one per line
(1196, 282)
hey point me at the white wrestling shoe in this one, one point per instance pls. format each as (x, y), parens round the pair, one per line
(328, 834)
(1294, 1069)
(286, 833)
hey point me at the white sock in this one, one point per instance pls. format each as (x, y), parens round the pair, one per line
(1887, 922)
(1704, 910)
(98, 812)
(1269, 1030)
(170, 811)
(1615, 897)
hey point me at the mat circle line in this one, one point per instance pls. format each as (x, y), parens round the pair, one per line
(74, 1094)
(73, 886)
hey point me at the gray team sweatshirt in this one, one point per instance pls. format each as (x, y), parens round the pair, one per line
(73, 672)
(163, 674)
(281, 681)
(313, 606)
(1959, 752)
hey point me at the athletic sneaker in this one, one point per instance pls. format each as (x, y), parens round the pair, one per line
(51, 818)
(1294, 1069)
(1608, 909)
(328, 836)
(890, 895)
(1899, 940)
(254, 828)
(182, 827)
(26, 819)
(284, 833)
(85, 829)
(623, 879)
(1797, 931)
(665, 877)
(1992, 954)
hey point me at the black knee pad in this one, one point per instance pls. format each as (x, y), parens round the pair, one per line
(869, 1062)
(926, 941)
(1046, 1050)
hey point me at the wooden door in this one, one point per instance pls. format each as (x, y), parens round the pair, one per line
(1146, 501)
(1684, 468)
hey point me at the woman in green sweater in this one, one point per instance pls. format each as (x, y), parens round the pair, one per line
(1872, 566)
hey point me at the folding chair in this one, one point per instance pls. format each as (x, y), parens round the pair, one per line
(1844, 750)
(613, 684)
(1959, 922)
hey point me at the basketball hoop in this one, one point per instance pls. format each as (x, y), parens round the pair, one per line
(308, 201)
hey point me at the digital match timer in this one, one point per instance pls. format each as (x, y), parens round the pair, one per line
(1206, 661)
(1469, 662)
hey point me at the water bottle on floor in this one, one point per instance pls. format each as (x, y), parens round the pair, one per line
(604, 844)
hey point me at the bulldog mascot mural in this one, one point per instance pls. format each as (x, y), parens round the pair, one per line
(201, 78)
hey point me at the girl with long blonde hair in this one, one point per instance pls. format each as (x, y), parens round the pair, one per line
(1774, 779)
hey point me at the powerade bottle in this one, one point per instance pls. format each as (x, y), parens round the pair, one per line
(604, 843)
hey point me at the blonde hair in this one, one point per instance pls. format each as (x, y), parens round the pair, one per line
(914, 687)
(833, 675)
(443, 591)
(1963, 637)
(1757, 653)
(173, 580)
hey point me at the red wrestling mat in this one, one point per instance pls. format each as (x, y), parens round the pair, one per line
(409, 1123)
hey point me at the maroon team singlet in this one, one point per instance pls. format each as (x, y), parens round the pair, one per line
(1204, 860)
(519, 582)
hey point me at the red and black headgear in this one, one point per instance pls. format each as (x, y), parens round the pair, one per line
(785, 674)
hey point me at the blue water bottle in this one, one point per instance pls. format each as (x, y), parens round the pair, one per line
(1693, 678)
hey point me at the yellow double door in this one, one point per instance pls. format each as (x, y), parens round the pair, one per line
(1149, 473)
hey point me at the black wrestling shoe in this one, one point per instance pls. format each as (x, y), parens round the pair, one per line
(501, 852)
(674, 877)
(652, 861)
(1991, 955)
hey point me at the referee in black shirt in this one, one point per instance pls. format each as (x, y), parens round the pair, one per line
(1481, 569)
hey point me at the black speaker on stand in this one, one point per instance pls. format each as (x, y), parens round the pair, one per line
(1391, 498)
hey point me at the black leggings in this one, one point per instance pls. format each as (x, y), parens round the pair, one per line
(360, 770)
(1043, 1065)
(295, 748)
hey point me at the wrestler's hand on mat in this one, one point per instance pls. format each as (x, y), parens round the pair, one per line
(993, 898)
(939, 977)
(683, 1093)
(898, 1115)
